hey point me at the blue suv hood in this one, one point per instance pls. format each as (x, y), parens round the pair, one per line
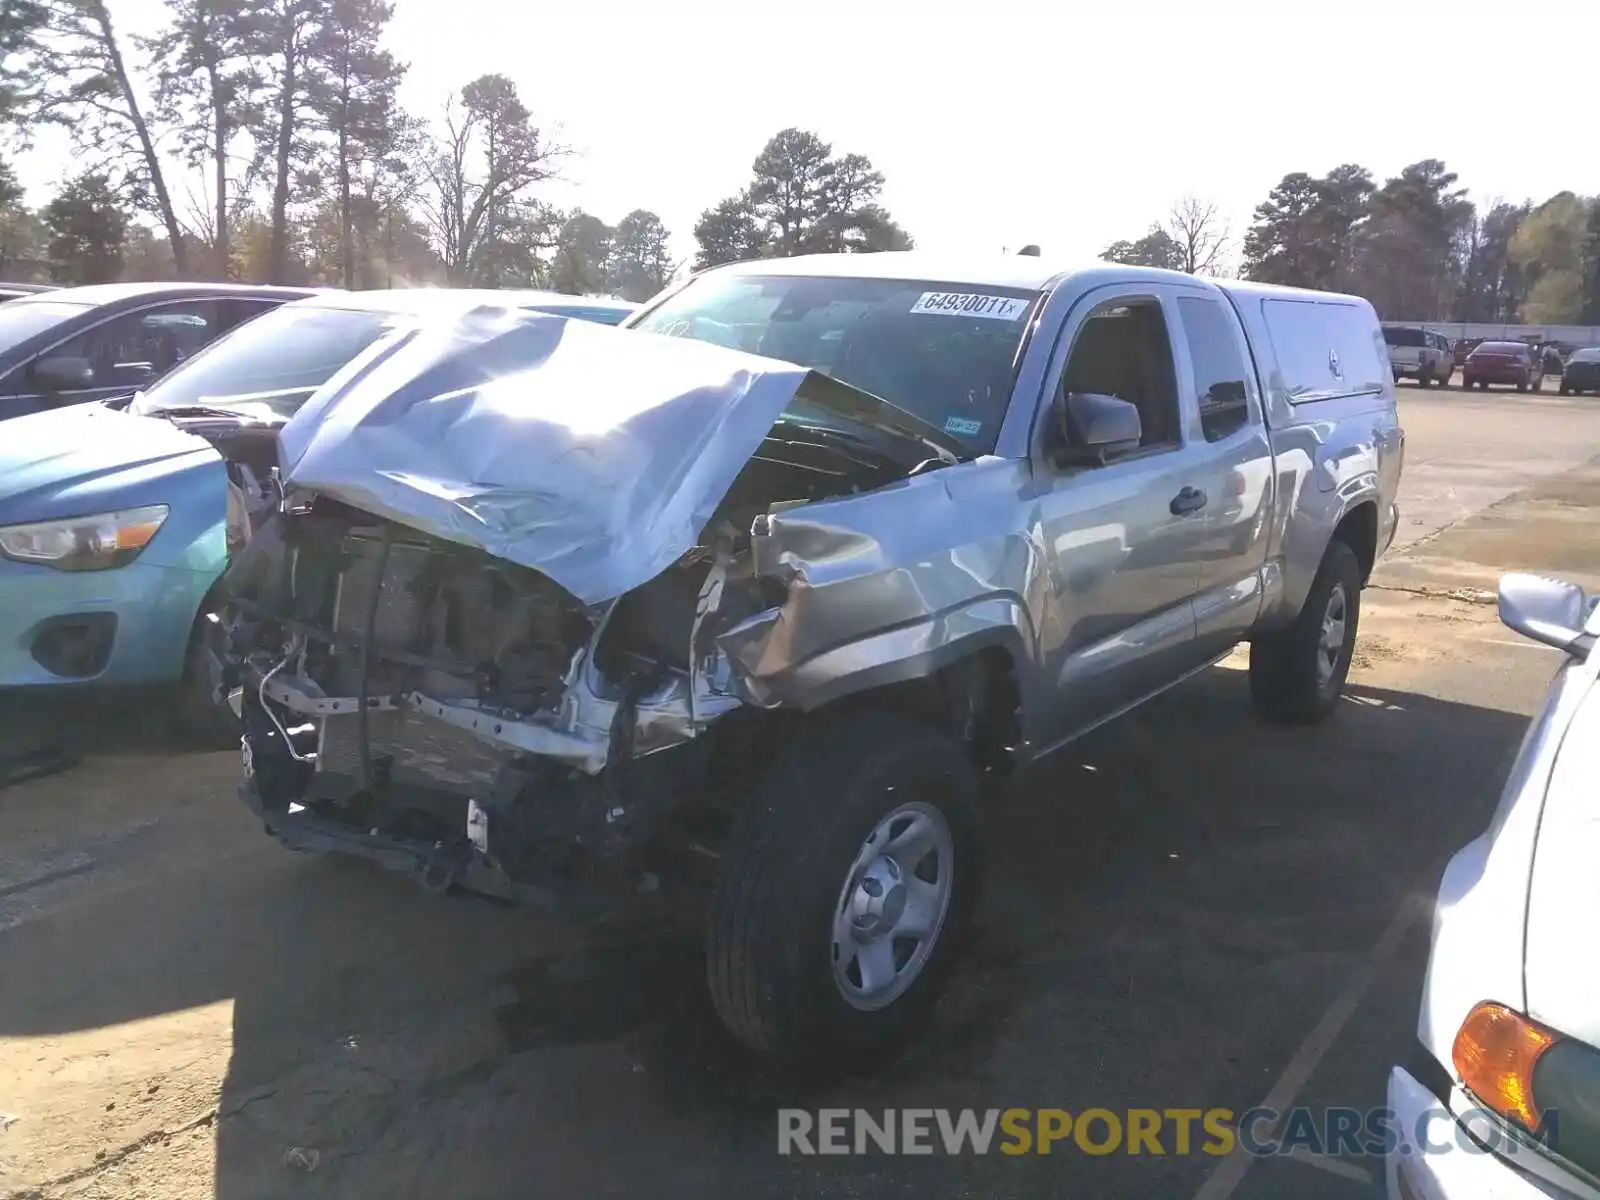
(89, 458)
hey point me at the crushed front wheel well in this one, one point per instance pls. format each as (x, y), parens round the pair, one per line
(977, 699)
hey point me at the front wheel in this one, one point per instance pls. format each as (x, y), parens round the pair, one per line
(848, 876)
(1297, 673)
(198, 719)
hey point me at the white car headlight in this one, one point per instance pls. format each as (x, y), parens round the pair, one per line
(95, 543)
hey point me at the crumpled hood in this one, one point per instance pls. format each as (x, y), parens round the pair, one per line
(89, 458)
(594, 455)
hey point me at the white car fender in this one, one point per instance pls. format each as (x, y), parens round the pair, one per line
(1480, 920)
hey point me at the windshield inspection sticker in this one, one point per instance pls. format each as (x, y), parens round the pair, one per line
(971, 304)
(963, 426)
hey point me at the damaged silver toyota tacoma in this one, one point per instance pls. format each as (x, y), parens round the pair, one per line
(749, 595)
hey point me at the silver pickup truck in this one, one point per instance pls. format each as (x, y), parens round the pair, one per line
(750, 594)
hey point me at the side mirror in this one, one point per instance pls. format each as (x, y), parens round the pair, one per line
(132, 375)
(64, 373)
(1551, 611)
(1088, 429)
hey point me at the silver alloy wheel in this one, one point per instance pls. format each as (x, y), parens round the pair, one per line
(892, 906)
(1331, 644)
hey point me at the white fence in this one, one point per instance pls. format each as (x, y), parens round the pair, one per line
(1575, 335)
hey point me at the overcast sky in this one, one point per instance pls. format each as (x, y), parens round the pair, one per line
(1002, 122)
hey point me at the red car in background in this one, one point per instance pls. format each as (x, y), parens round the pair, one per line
(1514, 363)
(1464, 347)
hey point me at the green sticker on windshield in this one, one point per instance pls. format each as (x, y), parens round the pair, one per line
(963, 426)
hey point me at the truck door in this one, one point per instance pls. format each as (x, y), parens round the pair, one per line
(1233, 469)
(1120, 540)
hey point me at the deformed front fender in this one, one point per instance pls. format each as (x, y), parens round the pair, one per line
(911, 651)
(891, 586)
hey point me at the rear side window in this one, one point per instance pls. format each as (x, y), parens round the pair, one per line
(1219, 367)
(1325, 349)
(1404, 337)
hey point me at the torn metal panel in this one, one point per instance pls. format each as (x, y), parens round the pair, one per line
(593, 455)
(890, 585)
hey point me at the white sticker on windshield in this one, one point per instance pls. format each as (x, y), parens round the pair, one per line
(971, 304)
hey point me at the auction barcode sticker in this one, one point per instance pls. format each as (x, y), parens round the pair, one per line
(971, 304)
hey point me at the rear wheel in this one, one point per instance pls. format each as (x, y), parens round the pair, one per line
(1424, 377)
(1297, 673)
(847, 878)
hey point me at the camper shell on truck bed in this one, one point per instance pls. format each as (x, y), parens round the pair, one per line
(551, 609)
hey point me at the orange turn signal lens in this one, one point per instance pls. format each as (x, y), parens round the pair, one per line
(1495, 1053)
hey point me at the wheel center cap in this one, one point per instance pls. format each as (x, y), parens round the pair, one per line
(878, 901)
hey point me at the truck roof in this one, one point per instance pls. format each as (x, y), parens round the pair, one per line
(992, 270)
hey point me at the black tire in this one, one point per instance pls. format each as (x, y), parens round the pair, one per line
(789, 855)
(1566, 391)
(1285, 681)
(198, 722)
(1424, 378)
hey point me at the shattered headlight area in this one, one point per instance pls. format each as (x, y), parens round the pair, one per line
(438, 702)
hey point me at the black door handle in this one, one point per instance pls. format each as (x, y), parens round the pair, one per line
(1187, 501)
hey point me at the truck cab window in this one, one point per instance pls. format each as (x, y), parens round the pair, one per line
(1125, 352)
(1219, 367)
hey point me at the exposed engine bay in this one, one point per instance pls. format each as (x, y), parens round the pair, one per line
(460, 709)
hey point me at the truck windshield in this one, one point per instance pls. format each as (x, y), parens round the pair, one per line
(944, 352)
(1403, 337)
(271, 364)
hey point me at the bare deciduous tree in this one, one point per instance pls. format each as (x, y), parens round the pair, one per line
(1200, 234)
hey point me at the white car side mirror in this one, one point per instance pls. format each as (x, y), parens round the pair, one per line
(1551, 611)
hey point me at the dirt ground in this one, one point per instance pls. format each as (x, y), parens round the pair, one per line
(190, 1011)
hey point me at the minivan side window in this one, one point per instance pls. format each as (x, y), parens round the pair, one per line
(137, 347)
(1219, 367)
(1124, 350)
